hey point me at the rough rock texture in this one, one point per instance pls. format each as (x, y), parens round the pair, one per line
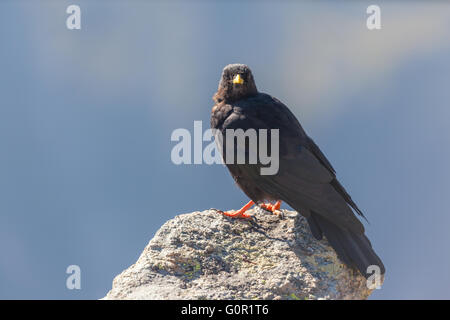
(205, 255)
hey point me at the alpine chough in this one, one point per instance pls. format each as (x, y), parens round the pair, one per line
(305, 179)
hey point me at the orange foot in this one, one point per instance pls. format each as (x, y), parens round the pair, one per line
(239, 213)
(274, 208)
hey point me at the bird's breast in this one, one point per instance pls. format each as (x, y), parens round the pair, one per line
(219, 113)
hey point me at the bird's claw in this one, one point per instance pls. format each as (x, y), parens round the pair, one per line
(235, 214)
(274, 208)
(279, 213)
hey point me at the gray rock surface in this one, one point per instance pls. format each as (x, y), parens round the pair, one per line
(205, 255)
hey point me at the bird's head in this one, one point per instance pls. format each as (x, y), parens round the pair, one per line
(236, 83)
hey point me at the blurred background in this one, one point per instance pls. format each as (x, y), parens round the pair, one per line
(86, 118)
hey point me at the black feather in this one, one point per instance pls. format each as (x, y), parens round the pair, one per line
(305, 180)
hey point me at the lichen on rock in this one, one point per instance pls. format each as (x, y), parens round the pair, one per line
(205, 255)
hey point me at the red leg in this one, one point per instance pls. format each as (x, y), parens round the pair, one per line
(241, 212)
(271, 207)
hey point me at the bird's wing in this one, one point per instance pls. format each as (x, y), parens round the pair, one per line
(305, 178)
(335, 182)
(319, 155)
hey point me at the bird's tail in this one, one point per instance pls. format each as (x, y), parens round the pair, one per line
(355, 250)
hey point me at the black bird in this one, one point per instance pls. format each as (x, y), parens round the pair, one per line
(305, 179)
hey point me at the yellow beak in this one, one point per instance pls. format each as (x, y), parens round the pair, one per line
(238, 79)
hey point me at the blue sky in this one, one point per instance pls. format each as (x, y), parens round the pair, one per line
(86, 119)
